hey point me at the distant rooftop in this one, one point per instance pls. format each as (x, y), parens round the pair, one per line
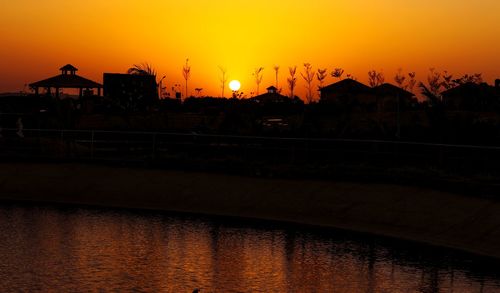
(347, 85)
(391, 90)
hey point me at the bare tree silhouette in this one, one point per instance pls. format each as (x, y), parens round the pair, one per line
(186, 73)
(375, 78)
(431, 91)
(308, 76)
(292, 80)
(399, 78)
(321, 76)
(350, 76)
(276, 70)
(412, 81)
(472, 78)
(223, 79)
(432, 97)
(434, 83)
(447, 82)
(258, 77)
(337, 73)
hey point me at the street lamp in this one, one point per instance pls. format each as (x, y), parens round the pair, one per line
(160, 90)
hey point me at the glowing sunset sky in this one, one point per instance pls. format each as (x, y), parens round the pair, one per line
(39, 36)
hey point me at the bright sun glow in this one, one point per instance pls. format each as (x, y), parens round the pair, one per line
(234, 85)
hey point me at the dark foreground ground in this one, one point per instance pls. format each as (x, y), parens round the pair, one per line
(466, 222)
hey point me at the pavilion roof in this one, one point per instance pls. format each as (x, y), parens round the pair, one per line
(68, 67)
(270, 98)
(66, 81)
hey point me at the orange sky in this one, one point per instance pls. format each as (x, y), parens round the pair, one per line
(37, 37)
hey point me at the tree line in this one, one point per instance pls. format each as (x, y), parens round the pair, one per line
(314, 79)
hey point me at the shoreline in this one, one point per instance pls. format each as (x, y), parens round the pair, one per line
(463, 222)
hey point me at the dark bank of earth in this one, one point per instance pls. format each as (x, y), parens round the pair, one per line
(469, 223)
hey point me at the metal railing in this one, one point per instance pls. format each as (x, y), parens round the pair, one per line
(160, 147)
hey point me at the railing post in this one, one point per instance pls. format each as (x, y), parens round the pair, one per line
(92, 144)
(153, 149)
(62, 145)
(307, 149)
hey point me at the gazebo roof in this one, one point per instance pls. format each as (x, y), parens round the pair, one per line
(270, 98)
(68, 67)
(66, 80)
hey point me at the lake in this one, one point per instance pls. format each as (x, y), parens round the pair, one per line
(51, 248)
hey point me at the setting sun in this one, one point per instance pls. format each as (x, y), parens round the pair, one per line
(234, 85)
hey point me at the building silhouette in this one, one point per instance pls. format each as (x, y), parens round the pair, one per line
(353, 95)
(67, 79)
(131, 91)
(349, 94)
(391, 98)
(271, 96)
(472, 97)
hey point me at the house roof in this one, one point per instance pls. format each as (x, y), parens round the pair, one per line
(469, 89)
(66, 81)
(272, 88)
(347, 86)
(388, 89)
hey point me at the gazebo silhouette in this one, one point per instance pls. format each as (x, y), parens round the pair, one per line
(67, 79)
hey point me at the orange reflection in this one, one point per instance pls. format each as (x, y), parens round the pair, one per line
(49, 250)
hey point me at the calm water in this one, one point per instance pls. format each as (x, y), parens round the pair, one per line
(68, 249)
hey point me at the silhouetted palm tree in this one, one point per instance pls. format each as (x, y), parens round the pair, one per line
(145, 69)
(142, 69)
